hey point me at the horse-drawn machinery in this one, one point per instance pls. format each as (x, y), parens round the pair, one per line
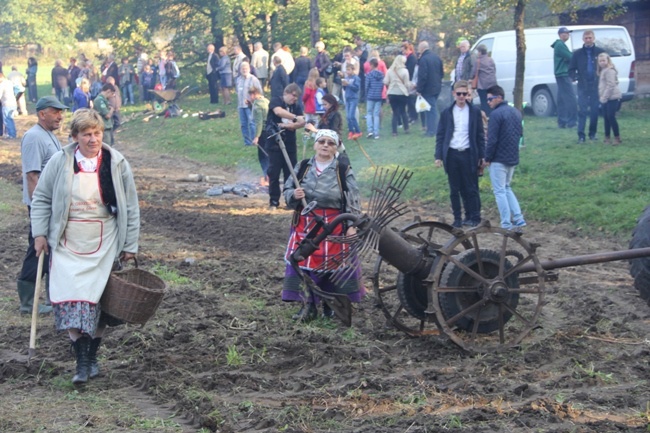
(483, 288)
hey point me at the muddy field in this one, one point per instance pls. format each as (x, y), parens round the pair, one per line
(222, 353)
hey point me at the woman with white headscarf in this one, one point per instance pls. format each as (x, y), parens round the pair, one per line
(330, 182)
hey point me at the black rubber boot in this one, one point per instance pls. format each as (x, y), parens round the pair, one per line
(81, 348)
(328, 313)
(307, 313)
(92, 357)
(26, 294)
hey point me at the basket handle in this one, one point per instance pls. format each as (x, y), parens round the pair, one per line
(120, 264)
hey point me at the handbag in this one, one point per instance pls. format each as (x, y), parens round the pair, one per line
(421, 104)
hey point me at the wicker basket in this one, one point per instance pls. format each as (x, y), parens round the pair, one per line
(132, 295)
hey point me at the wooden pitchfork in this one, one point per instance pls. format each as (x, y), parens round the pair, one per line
(37, 295)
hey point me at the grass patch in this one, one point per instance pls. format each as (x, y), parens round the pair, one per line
(170, 275)
(595, 187)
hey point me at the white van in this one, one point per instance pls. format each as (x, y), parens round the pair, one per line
(540, 90)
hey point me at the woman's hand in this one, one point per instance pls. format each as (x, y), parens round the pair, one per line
(299, 193)
(125, 257)
(310, 127)
(351, 231)
(40, 245)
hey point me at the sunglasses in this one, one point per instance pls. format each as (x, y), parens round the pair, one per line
(326, 142)
(491, 98)
(461, 93)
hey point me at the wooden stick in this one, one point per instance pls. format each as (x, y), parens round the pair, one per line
(37, 295)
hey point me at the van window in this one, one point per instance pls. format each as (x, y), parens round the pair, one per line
(614, 41)
(489, 43)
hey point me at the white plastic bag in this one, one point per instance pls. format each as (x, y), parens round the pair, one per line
(421, 104)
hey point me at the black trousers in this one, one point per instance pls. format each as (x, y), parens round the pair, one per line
(398, 105)
(588, 104)
(30, 262)
(277, 164)
(463, 184)
(213, 87)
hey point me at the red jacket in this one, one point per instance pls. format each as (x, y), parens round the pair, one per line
(309, 100)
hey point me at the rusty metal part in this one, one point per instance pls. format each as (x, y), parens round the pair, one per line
(476, 296)
(402, 296)
(590, 259)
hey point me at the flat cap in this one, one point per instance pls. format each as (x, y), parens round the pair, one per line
(50, 101)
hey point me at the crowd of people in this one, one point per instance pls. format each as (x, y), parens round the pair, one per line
(304, 93)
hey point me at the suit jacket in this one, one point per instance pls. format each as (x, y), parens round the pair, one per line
(475, 131)
(214, 64)
(429, 74)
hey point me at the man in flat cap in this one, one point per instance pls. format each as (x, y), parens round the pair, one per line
(566, 99)
(37, 147)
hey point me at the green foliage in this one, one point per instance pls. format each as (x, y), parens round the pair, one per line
(594, 188)
(48, 23)
(376, 21)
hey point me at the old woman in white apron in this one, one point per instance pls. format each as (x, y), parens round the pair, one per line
(85, 211)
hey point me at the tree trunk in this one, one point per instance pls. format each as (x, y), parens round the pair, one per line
(521, 55)
(314, 19)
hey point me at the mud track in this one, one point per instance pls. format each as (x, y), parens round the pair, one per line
(223, 354)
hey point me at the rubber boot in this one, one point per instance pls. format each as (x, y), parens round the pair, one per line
(92, 357)
(307, 313)
(81, 349)
(26, 295)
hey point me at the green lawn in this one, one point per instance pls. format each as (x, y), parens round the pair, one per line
(597, 187)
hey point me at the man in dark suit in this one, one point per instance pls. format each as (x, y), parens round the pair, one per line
(212, 74)
(460, 147)
(429, 84)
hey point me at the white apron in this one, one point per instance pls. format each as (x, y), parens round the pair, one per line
(82, 262)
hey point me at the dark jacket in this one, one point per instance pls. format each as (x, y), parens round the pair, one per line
(411, 63)
(561, 58)
(504, 133)
(475, 131)
(429, 74)
(279, 80)
(58, 71)
(578, 66)
(301, 70)
(323, 62)
(468, 68)
(214, 64)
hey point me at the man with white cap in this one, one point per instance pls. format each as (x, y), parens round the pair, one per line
(566, 98)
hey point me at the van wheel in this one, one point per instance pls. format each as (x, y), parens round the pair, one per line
(543, 105)
(640, 268)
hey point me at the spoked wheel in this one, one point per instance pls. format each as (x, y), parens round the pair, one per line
(481, 300)
(403, 298)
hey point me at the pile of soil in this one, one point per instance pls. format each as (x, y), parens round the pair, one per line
(223, 354)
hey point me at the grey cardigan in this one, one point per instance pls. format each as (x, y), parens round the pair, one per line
(52, 196)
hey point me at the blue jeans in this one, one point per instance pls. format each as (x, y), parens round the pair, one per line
(509, 210)
(351, 114)
(247, 124)
(431, 116)
(8, 118)
(588, 103)
(372, 117)
(127, 94)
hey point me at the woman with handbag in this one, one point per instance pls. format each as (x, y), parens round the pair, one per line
(85, 213)
(397, 81)
(485, 76)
